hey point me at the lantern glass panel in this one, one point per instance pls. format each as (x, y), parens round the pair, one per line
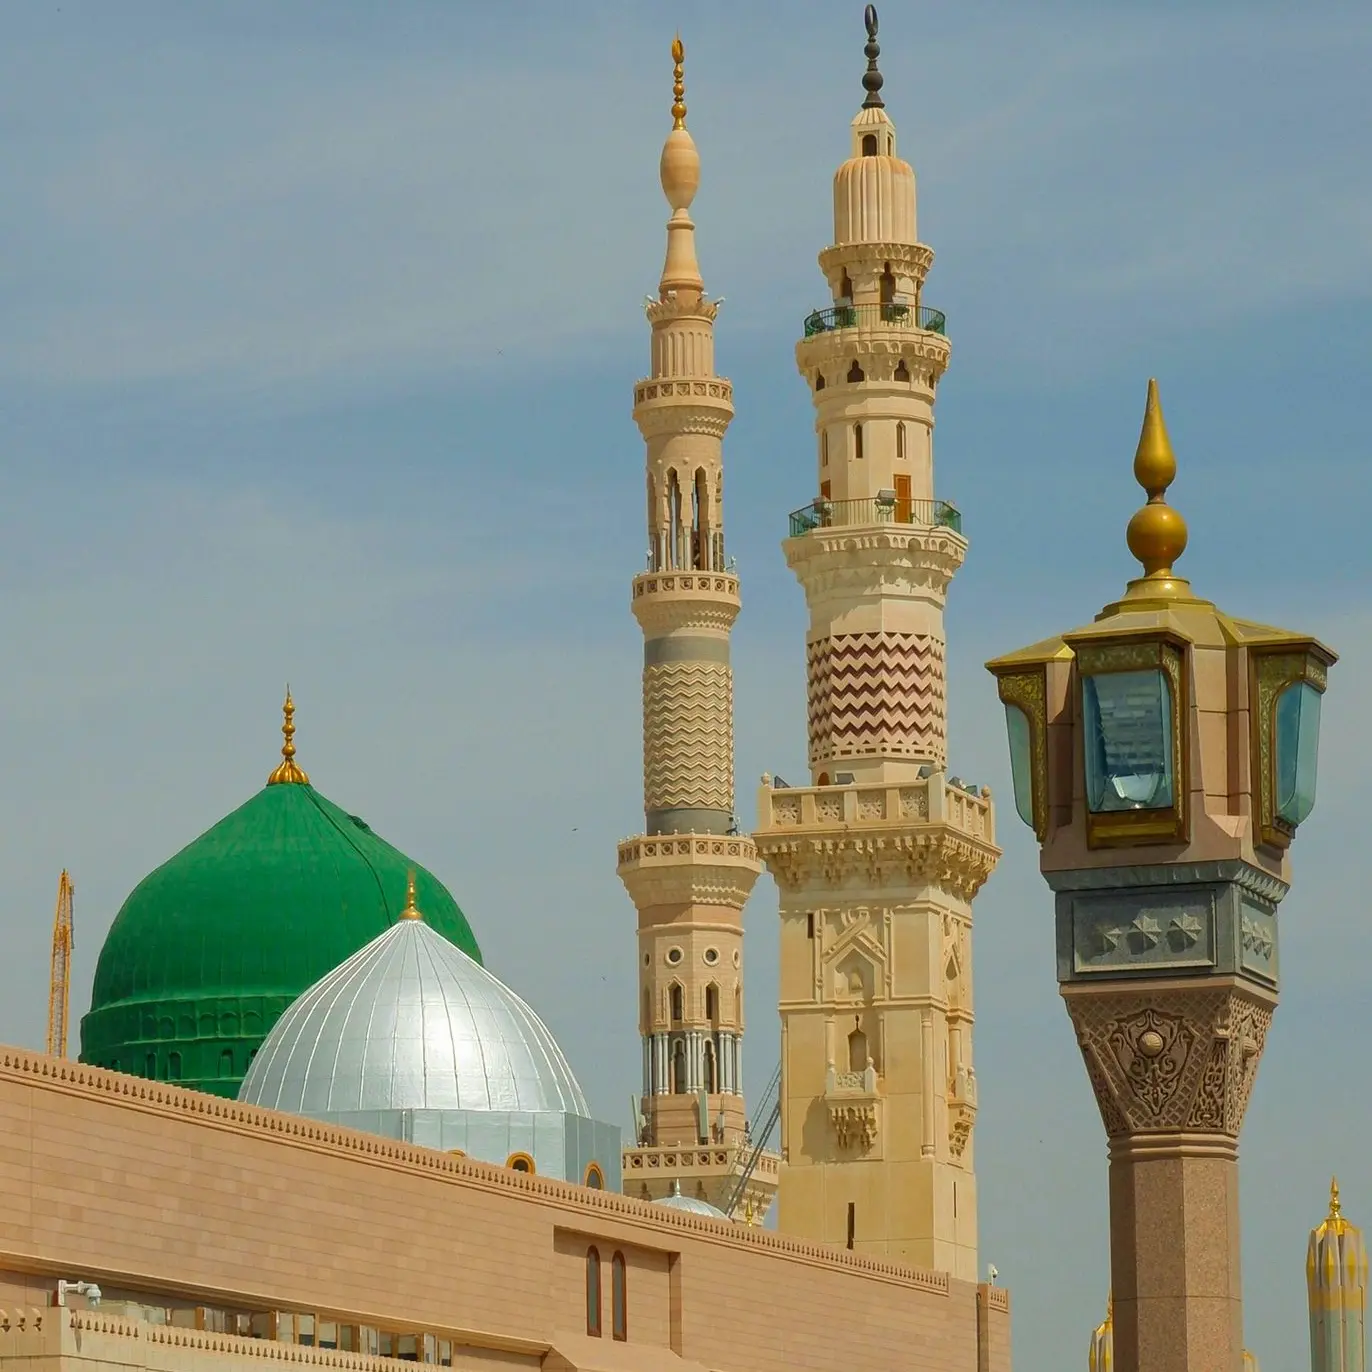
(1298, 747)
(1021, 762)
(1128, 740)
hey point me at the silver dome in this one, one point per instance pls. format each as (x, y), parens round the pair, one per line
(692, 1205)
(410, 1022)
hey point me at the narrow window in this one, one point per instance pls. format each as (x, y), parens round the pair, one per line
(855, 372)
(593, 1292)
(900, 441)
(845, 287)
(679, 1068)
(619, 1298)
(711, 1077)
(520, 1162)
(955, 1200)
(824, 448)
(852, 1222)
(890, 146)
(888, 286)
(902, 371)
(810, 924)
(677, 1005)
(857, 441)
(712, 1002)
(150, 1066)
(869, 145)
(819, 381)
(857, 1051)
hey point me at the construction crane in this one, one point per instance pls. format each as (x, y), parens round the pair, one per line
(59, 984)
(771, 1105)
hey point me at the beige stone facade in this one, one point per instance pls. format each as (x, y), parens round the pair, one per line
(209, 1217)
(878, 859)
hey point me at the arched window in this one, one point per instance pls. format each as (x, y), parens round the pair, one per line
(711, 1070)
(900, 440)
(888, 286)
(678, 1003)
(595, 1178)
(655, 548)
(679, 1068)
(647, 1010)
(902, 371)
(675, 533)
(819, 381)
(869, 145)
(700, 517)
(593, 1292)
(150, 1066)
(174, 1070)
(226, 1062)
(857, 441)
(855, 372)
(857, 1051)
(619, 1298)
(520, 1162)
(845, 287)
(712, 1002)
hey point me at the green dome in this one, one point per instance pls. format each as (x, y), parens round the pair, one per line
(210, 949)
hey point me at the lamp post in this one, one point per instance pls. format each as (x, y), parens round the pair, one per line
(1164, 756)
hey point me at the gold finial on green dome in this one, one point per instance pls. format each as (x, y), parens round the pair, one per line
(288, 773)
(1157, 533)
(410, 911)
(678, 84)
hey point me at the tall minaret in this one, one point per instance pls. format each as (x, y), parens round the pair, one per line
(1336, 1283)
(878, 859)
(691, 871)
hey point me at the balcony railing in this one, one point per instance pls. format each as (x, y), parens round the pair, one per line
(889, 316)
(884, 508)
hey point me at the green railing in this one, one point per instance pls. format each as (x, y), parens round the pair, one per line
(876, 317)
(880, 509)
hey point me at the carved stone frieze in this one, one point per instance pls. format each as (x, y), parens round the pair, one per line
(1180, 1057)
(889, 560)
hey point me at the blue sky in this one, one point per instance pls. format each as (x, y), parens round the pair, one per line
(318, 329)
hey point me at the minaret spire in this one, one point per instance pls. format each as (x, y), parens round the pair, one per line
(1336, 1285)
(690, 872)
(881, 1093)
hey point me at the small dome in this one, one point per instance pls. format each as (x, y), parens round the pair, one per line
(410, 1022)
(689, 1204)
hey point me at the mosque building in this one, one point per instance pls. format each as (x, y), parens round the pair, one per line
(309, 1126)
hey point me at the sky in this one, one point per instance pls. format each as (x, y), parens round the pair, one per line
(319, 325)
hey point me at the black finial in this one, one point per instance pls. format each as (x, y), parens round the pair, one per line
(872, 78)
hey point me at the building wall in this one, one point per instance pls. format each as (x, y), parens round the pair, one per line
(145, 1187)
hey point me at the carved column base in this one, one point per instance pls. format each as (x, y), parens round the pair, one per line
(1172, 1065)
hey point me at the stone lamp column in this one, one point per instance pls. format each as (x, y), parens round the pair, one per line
(1164, 756)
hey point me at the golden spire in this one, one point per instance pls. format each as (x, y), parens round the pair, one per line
(1157, 533)
(678, 84)
(410, 912)
(288, 773)
(1335, 1209)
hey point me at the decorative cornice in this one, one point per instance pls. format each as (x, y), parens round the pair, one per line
(906, 259)
(664, 601)
(198, 1109)
(689, 869)
(871, 344)
(675, 307)
(876, 560)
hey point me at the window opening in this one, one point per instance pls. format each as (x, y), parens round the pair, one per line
(593, 1292)
(619, 1298)
(857, 441)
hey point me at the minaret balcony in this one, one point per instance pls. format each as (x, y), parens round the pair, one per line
(888, 315)
(886, 507)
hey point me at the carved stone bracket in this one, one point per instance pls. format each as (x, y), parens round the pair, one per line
(852, 1100)
(1179, 1057)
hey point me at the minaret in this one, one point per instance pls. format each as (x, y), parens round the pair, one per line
(1102, 1355)
(690, 872)
(1336, 1282)
(878, 859)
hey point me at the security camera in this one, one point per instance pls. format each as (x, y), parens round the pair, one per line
(992, 1272)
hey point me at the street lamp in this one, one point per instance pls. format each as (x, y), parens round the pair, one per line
(1164, 756)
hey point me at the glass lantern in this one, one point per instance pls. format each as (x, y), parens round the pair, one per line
(1298, 746)
(1021, 762)
(1128, 741)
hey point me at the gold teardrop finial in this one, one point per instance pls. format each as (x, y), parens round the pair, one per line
(678, 84)
(410, 911)
(289, 772)
(1157, 533)
(1335, 1209)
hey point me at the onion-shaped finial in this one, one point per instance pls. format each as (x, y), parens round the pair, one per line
(288, 772)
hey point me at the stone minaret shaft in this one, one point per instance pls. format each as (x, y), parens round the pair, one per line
(691, 872)
(878, 859)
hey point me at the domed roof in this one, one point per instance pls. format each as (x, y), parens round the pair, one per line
(210, 948)
(411, 1023)
(690, 1204)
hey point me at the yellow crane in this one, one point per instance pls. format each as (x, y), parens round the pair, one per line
(59, 985)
